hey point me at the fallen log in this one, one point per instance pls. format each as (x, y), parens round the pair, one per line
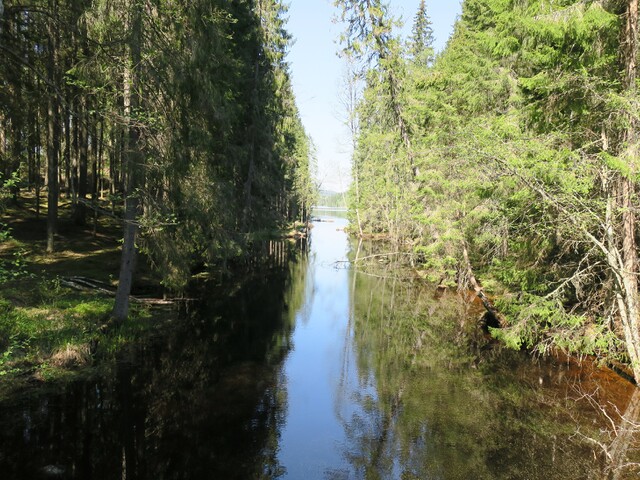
(83, 283)
(89, 284)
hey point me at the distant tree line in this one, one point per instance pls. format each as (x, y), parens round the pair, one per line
(328, 198)
(178, 115)
(511, 157)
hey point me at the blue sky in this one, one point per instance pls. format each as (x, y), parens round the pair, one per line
(317, 73)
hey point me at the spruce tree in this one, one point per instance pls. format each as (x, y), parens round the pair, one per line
(421, 40)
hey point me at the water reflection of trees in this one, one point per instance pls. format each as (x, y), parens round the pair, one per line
(625, 441)
(201, 399)
(448, 403)
(618, 441)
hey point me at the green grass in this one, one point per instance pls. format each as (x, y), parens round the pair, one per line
(48, 331)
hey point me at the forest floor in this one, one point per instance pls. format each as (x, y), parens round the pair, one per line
(51, 331)
(78, 249)
(47, 329)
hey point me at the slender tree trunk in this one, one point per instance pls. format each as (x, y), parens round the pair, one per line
(627, 197)
(17, 154)
(83, 164)
(38, 164)
(52, 173)
(76, 152)
(31, 146)
(133, 159)
(351, 104)
(53, 146)
(470, 281)
(95, 172)
(17, 119)
(101, 174)
(67, 151)
(113, 159)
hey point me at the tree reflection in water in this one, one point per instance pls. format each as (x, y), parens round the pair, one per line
(625, 439)
(421, 394)
(619, 441)
(201, 399)
(449, 403)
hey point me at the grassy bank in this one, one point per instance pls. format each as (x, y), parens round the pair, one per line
(47, 329)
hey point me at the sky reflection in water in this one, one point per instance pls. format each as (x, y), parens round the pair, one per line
(319, 372)
(385, 381)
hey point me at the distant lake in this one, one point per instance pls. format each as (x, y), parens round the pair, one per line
(322, 211)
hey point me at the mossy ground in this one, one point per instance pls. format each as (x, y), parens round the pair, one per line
(48, 330)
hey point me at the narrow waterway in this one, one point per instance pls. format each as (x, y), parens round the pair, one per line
(320, 372)
(321, 367)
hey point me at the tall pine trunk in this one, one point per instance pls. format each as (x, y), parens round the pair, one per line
(83, 156)
(133, 160)
(53, 124)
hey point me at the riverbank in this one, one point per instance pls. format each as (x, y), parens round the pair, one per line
(578, 354)
(49, 330)
(55, 307)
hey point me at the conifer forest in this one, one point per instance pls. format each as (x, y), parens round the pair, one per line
(508, 163)
(178, 117)
(174, 273)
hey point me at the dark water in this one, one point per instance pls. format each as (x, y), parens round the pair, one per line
(320, 368)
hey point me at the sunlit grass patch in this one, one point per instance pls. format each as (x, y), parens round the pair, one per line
(138, 324)
(92, 309)
(49, 331)
(71, 355)
(45, 327)
(10, 245)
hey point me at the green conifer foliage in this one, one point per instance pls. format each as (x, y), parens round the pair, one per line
(522, 133)
(219, 150)
(421, 40)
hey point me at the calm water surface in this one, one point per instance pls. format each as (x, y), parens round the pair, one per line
(321, 367)
(320, 371)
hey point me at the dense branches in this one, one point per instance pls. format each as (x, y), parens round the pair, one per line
(524, 132)
(183, 112)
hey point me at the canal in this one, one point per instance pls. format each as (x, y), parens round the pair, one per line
(331, 362)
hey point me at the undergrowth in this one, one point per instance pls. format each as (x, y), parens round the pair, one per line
(47, 330)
